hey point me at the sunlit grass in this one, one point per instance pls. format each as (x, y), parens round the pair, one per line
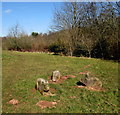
(21, 69)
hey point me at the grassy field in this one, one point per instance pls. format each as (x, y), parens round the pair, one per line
(20, 71)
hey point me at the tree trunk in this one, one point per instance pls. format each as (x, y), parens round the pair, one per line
(71, 52)
(89, 52)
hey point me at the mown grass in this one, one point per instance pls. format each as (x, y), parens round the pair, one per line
(20, 71)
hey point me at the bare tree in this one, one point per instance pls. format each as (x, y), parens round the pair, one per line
(89, 27)
(67, 19)
(16, 31)
(75, 19)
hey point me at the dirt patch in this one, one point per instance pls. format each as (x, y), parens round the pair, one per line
(52, 90)
(85, 72)
(72, 97)
(71, 76)
(90, 88)
(13, 102)
(57, 82)
(78, 86)
(64, 77)
(61, 80)
(67, 76)
(95, 89)
(46, 104)
(49, 94)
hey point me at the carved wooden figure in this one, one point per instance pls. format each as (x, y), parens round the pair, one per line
(42, 85)
(55, 76)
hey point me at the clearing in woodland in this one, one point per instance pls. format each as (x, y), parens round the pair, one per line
(21, 69)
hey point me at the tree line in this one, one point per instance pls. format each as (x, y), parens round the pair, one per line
(87, 29)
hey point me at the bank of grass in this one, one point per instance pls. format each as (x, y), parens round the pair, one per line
(21, 69)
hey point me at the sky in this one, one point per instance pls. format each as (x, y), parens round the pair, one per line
(30, 16)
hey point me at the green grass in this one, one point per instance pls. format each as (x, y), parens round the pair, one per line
(20, 71)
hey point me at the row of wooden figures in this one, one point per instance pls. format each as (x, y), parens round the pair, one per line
(42, 85)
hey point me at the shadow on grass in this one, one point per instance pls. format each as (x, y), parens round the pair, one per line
(56, 54)
(36, 86)
(80, 83)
